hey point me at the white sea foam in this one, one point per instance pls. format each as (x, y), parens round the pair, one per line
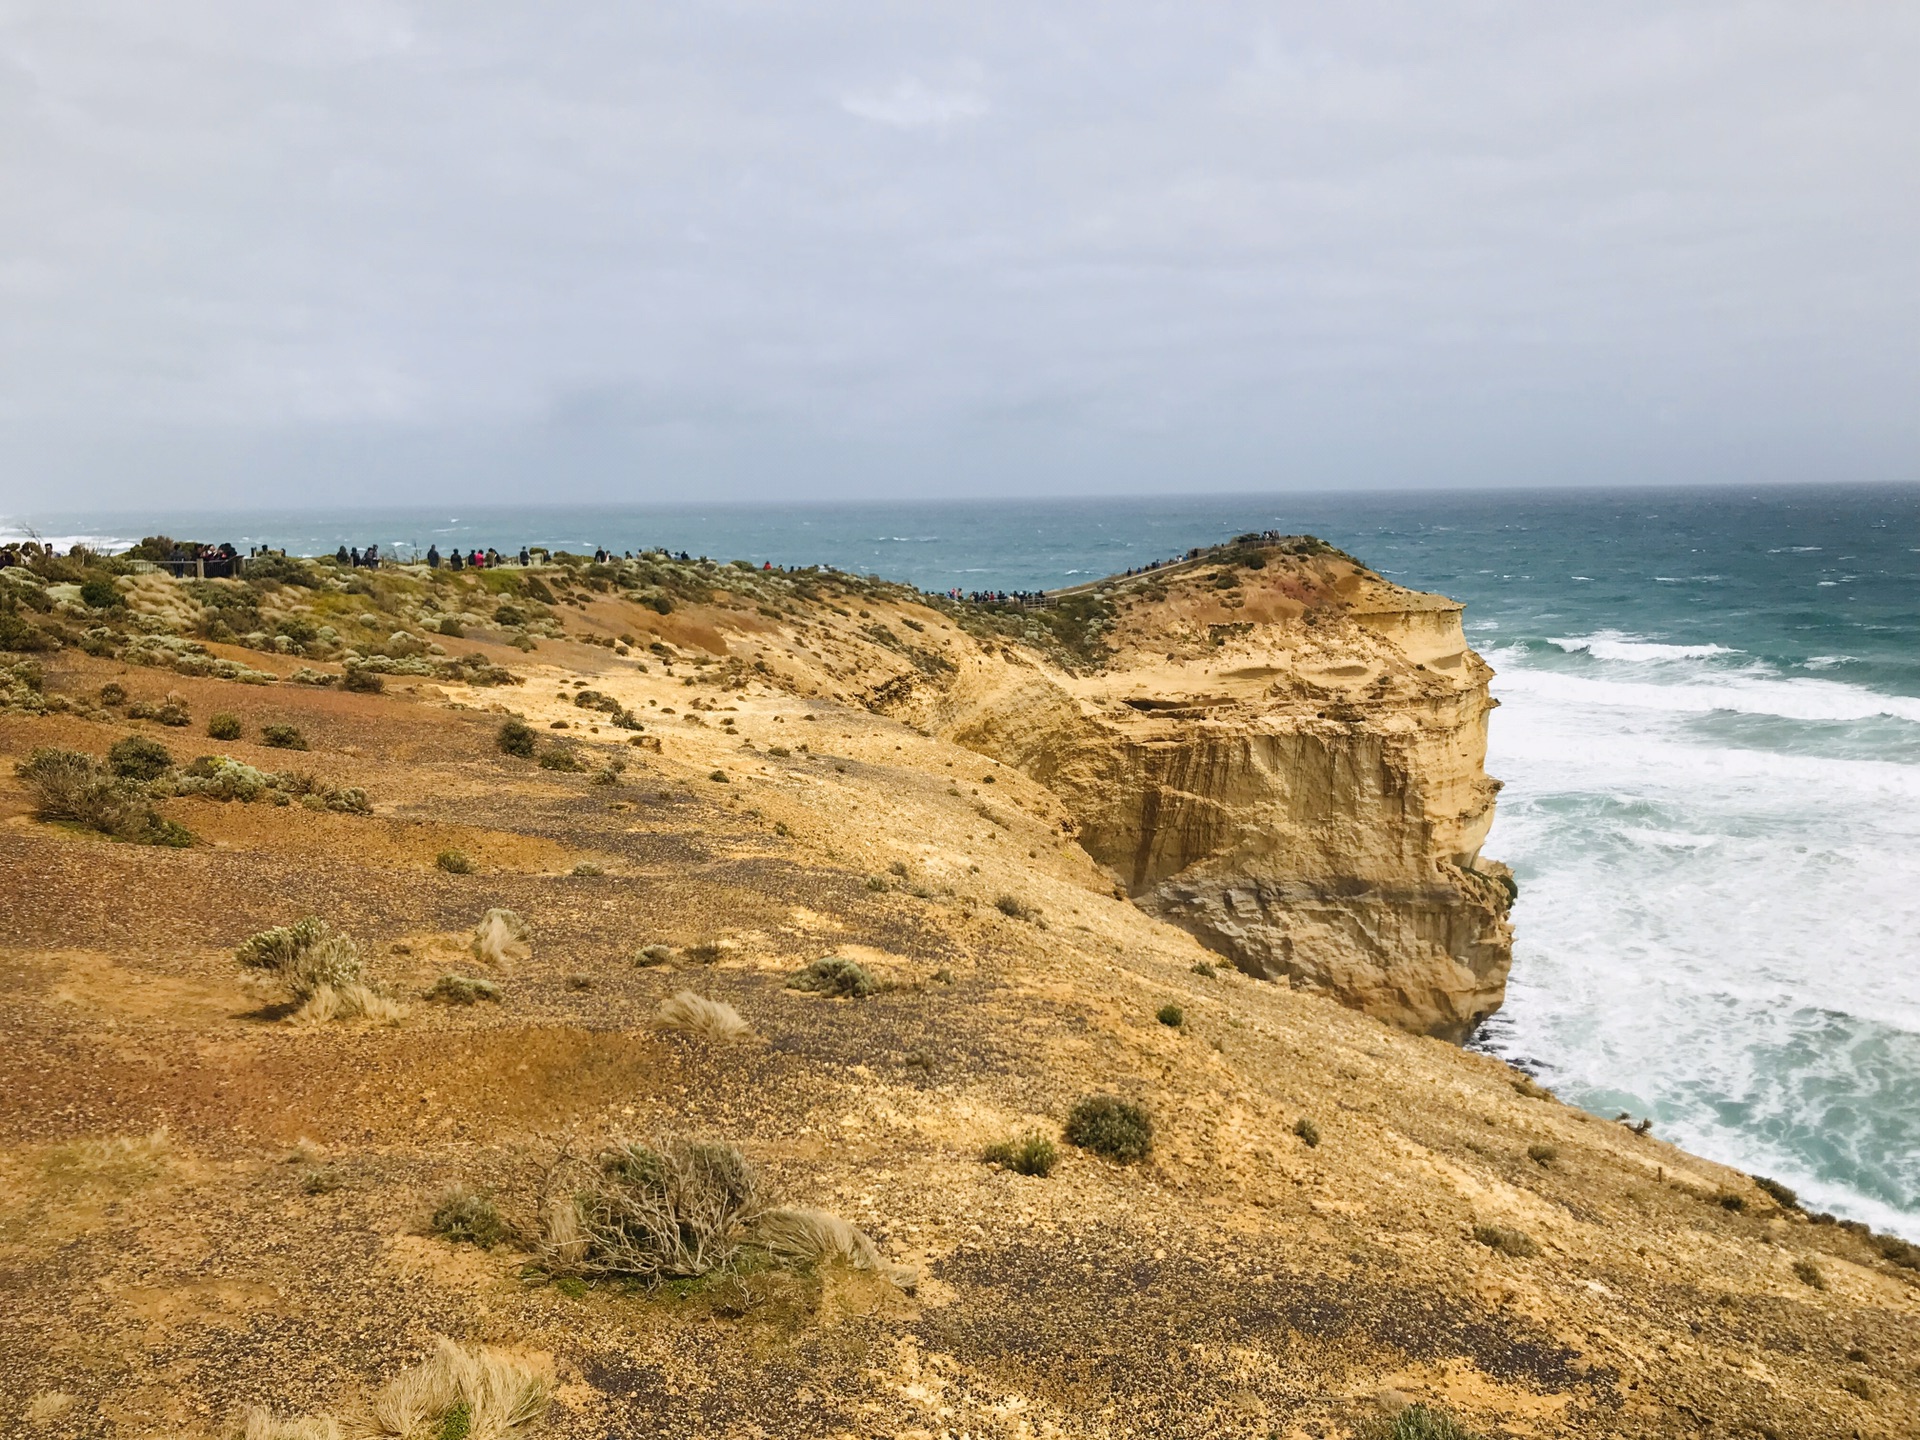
(1618, 645)
(1722, 937)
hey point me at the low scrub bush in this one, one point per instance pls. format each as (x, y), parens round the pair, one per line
(1205, 968)
(466, 1217)
(362, 680)
(319, 969)
(1507, 1241)
(113, 693)
(691, 1014)
(650, 955)
(170, 711)
(283, 737)
(1028, 1154)
(1308, 1132)
(74, 786)
(1809, 1274)
(224, 726)
(463, 990)
(516, 737)
(1418, 1422)
(1111, 1127)
(1171, 1015)
(835, 975)
(562, 758)
(138, 758)
(454, 862)
(680, 1210)
(1543, 1155)
(1785, 1198)
(1014, 908)
(500, 937)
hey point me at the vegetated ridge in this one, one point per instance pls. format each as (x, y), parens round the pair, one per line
(658, 998)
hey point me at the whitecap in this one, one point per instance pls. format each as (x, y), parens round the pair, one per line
(1826, 662)
(1669, 839)
(1744, 692)
(1618, 645)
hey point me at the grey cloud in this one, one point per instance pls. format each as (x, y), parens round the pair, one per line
(442, 248)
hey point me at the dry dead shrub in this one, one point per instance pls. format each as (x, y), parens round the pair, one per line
(500, 937)
(692, 1014)
(631, 1210)
(347, 1002)
(494, 1392)
(48, 1406)
(814, 1237)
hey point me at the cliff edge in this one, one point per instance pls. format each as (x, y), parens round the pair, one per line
(1282, 753)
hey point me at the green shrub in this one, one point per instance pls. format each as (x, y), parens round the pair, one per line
(463, 990)
(450, 626)
(719, 777)
(876, 882)
(224, 726)
(113, 693)
(1506, 1241)
(1308, 1132)
(138, 758)
(322, 1182)
(516, 737)
(73, 785)
(283, 737)
(1729, 1200)
(463, 1217)
(1171, 1014)
(1543, 1155)
(97, 592)
(362, 680)
(454, 862)
(835, 975)
(1778, 1193)
(1014, 907)
(559, 757)
(1419, 1422)
(1028, 1154)
(1205, 967)
(1112, 1127)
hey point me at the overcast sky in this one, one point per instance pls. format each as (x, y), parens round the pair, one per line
(295, 251)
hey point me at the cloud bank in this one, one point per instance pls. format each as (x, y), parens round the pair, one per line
(369, 250)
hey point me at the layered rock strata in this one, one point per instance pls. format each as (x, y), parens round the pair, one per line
(1282, 754)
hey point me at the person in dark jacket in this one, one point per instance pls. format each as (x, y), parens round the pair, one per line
(433, 556)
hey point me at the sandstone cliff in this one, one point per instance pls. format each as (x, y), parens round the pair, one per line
(1281, 753)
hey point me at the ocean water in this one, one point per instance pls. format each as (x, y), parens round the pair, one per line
(1709, 733)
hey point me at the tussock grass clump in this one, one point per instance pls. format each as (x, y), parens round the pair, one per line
(1171, 1015)
(675, 1212)
(265, 1425)
(588, 869)
(463, 990)
(1308, 1132)
(138, 758)
(1808, 1273)
(1205, 968)
(650, 955)
(224, 726)
(560, 757)
(1028, 1154)
(1506, 1240)
(1419, 1422)
(320, 970)
(516, 737)
(462, 1394)
(1111, 1127)
(283, 737)
(466, 1217)
(1014, 908)
(814, 1237)
(835, 975)
(691, 1014)
(454, 862)
(1543, 1155)
(500, 937)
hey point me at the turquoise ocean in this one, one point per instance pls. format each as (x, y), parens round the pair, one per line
(1709, 733)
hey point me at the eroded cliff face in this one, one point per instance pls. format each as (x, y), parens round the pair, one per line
(1283, 755)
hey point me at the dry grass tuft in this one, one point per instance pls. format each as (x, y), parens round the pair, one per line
(48, 1406)
(500, 937)
(1507, 1241)
(692, 1014)
(264, 1425)
(679, 1211)
(320, 970)
(348, 1002)
(463, 990)
(493, 1391)
(814, 1237)
(464, 1216)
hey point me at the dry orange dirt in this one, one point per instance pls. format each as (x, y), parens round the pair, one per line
(206, 1208)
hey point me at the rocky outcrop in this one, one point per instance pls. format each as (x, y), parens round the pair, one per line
(1282, 753)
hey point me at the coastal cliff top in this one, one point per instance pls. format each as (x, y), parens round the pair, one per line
(206, 1205)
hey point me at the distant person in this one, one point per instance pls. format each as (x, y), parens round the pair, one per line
(433, 557)
(341, 555)
(457, 562)
(524, 560)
